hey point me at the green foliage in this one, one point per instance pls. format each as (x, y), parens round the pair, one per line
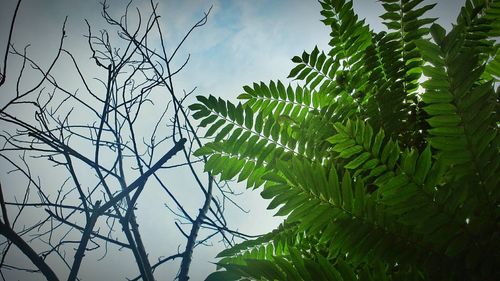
(384, 159)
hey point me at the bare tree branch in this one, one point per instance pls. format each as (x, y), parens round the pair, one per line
(103, 137)
(12, 236)
(3, 73)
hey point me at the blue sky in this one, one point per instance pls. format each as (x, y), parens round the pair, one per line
(251, 41)
(243, 42)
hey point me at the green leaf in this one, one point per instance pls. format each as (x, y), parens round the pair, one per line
(247, 169)
(248, 117)
(202, 151)
(314, 56)
(224, 132)
(304, 73)
(305, 57)
(423, 165)
(438, 33)
(379, 138)
(347, 194)
(214, 127)
(444, 121)
(297, 59)
(358, 161)
(223, 276)
(239, 114)
(210, 119)
(351, 151)
(345, 270)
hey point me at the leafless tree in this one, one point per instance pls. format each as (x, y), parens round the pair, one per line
(109, 138)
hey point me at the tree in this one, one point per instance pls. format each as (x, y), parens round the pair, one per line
(109, 134)
(384, 158)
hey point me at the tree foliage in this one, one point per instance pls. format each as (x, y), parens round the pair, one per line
(384, 159)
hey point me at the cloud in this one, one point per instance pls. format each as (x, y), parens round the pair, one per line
(251, 41)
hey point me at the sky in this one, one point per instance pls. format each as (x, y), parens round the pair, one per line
(243, 42)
